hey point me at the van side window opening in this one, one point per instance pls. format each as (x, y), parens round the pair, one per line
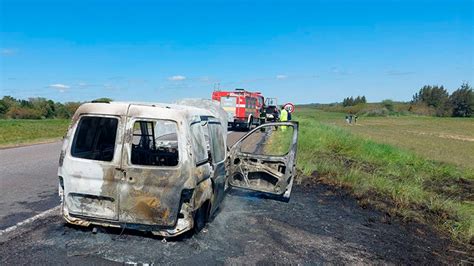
(155, 143)
(205, 130)
(199, 143)
(218, 147)
(95, 138)
(207, 138)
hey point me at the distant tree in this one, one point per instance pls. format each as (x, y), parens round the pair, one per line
(60, 111)
(462, 101)
(19, 112)
(103, 99)
(345, 102)
(9, 101)
(357, 100)
(433, 96)
(25, 104)
(351, 101)
(71, 108)
(388, 104)
(3, 108)
(45, 107)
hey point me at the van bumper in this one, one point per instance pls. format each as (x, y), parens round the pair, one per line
(184, 223)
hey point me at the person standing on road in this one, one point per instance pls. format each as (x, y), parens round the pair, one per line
(283, 117)
(263, 115)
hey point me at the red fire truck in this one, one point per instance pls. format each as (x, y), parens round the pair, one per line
(242, 107)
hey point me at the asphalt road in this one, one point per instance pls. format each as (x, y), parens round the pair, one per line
(320, 224)
(28, 181)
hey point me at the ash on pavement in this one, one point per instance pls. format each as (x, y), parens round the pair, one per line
(318, 225)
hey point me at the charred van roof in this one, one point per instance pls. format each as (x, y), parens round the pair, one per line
(121, 108)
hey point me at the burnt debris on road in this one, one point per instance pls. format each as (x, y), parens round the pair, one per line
(318, 225)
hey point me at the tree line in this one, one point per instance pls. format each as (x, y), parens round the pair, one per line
(351, 101)
(36, 108)
(459, 104)
(431, 100)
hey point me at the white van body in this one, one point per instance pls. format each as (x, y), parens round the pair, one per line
(157, 167)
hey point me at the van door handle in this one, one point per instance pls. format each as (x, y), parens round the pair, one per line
(124, 173)
(120, 169)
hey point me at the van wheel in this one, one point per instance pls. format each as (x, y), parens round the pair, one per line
(200, 217)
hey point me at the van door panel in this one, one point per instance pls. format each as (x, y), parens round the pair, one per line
(217, 150)
(150, 192)
(91, 185)
(265, 159)
(150, 197)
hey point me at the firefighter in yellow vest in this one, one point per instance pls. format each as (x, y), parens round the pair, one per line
(283, 117)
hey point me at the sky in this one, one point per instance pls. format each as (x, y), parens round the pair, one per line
(297, 51)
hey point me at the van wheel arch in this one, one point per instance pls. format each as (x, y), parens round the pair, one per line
(201, 216)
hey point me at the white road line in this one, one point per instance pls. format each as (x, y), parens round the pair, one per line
(29, 220)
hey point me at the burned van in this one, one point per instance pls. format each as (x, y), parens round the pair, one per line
(164, 168)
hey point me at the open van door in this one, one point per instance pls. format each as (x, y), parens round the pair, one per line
(265, 159)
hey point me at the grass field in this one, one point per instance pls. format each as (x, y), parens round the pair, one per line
(381, 167)
(18, 132)
(448, 140)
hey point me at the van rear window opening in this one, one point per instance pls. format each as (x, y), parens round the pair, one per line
(155, 143)
(95, 138)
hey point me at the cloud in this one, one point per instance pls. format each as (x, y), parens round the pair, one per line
(399, 73)
(7, 51)
(281, 76)
(177, 78)
(59, 87)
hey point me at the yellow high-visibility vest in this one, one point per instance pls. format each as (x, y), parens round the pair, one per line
(284, 115)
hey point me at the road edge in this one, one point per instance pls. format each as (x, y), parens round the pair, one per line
(33, 143)
(12, 231)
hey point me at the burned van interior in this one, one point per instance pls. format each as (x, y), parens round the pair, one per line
(95, 138)
(155, 143)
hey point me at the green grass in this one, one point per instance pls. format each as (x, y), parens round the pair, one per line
(449, 140)
(18, 132)
(279, 142)
(392, 178)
